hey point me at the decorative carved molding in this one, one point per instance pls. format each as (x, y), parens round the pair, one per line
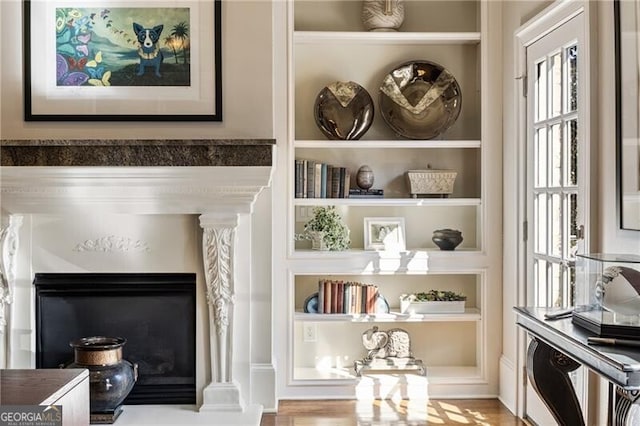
(113, 243)
(217, 246)
(9, 246)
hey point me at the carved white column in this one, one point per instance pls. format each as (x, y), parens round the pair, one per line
(8, 251)
(218, 244)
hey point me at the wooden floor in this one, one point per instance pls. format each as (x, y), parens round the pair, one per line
(384, 412)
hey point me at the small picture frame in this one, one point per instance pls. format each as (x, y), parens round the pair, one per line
(384, 233)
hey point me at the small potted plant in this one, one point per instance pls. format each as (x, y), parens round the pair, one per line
(326, 230)
(432, 301)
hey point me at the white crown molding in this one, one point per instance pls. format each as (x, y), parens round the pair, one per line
(112, 243)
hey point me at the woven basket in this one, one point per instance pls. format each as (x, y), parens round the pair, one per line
(430, 181)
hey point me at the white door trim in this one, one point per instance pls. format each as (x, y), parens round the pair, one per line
(542, 24)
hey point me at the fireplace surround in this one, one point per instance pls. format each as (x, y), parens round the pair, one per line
(154, 312)
(145, 206)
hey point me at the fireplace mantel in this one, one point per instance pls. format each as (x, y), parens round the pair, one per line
(133, 176)
(218, 180)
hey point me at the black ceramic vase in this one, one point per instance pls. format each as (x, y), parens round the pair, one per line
(111, 378)
(447, 239)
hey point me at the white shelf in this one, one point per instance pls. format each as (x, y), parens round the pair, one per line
(386, 37)
(309, 373)
(321, 41)
(415, 253)
(470, 314)
(387, 144)
(453, 374)
(390, 202)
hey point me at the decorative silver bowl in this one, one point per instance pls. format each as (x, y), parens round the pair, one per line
(343, 111)
(420, 99)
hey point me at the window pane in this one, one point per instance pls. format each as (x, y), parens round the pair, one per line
(572, 77)
(540, 277)
(540, 159)
(556, 227)
(540, 206)
(556, 84)
(572, 285)
(573, 226)
(541, 91)
(556, 155)
(572, 153)
(556, 286)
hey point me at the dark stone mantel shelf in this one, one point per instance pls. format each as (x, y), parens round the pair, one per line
(137, 153)
(133, 176)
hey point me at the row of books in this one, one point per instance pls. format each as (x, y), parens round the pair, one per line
(339, 297)
(314, 179)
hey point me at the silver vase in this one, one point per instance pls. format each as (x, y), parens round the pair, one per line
(382, 15)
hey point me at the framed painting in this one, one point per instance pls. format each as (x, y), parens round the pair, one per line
(384, 233)
(136, 60)
(627, 35)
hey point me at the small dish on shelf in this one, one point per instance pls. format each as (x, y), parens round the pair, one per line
(420, 99)
(382, 306)
(311, 304)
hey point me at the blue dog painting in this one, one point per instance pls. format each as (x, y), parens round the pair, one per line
(149, 48)
(123, 46)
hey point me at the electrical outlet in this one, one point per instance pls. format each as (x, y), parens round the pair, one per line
(309, 331)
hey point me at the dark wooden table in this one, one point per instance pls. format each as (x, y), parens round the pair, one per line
(558, 347)
(66, 387)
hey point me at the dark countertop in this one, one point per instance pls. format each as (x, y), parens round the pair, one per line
(137, 153)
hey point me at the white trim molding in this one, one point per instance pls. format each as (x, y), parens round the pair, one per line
(9, 244)
(112, 243)
(557, 14)
(218, 246)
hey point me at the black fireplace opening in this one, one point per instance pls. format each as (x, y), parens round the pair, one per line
(155, 312)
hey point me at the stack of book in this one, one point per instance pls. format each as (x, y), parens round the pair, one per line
(340, 297)
(314, 179)
(366, 193)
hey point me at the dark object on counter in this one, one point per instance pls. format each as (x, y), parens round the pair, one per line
(447, 239)
(111, 377)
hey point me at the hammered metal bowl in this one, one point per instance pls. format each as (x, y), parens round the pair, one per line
(420, 99)
(343, 111)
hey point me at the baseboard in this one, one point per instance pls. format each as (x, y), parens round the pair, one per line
(263, 386)
(508, 384)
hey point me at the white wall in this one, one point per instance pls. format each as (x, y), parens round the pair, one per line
(246, 78)
(607, 235)
(613, 239)
(247, 90)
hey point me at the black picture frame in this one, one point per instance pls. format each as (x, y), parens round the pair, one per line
(627, 70)
(198, 97)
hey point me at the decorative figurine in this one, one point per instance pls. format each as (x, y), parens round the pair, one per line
(364, 177)
(388, 350)
(382, 15)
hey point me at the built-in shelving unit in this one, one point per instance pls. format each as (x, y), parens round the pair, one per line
(327, 43)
